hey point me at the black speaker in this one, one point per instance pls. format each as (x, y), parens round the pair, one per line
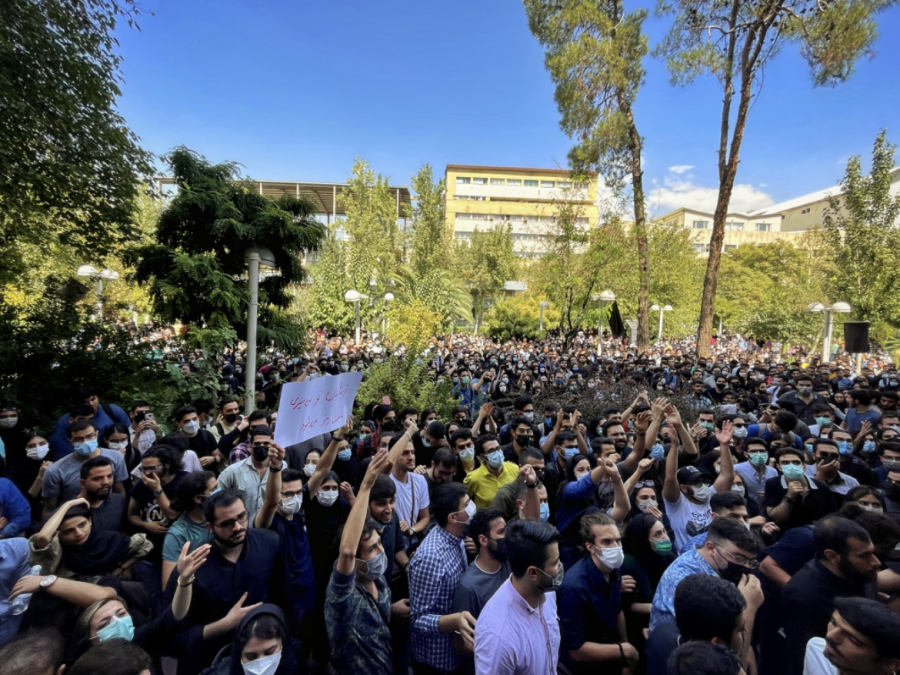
(856, 337)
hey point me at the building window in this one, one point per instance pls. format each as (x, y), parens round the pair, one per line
(479, 181)
(470, 198)
(729, 247)
(498, 181)
(463, 180)
(701, 224)
(581, 186)
(530, 183)
(764, 227)
(581, 221)
(513, 181)
(548, 183)
(735, 226)
(805, 211)
(699, 248)
(564, 184)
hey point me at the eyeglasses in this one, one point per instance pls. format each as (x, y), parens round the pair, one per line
(828, 456)
(644, 484)
(230, 523)
(750, 563)
(151, 469)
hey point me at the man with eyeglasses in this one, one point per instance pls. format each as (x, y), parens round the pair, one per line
(795, 499)
(730, 552)
(245, 568)
(249, 476)
(826, 468)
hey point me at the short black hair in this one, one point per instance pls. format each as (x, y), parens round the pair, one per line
(225, 400)
(445, 501)
(113, 657)
(726, 529)
(460, 434)
(756, 440)
(290, 475)
(696, 657)
(726, 501)
(529, 453)
(786, 420)
(189, 487)
(81, 425)
(222, 499)
(519, 421)
(874, 620)
(481, 440)
(834, 533)
(445, 457)
(260, 430)
(707, 607)
(35, 651)
(520, 403)
(179, 414)
(94, 463)
(383, 488)
(609, 424)
(526, 544)
(481, 524)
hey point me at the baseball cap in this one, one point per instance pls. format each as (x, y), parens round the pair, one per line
(689, 474)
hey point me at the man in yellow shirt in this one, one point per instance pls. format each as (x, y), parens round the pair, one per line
(484, 482)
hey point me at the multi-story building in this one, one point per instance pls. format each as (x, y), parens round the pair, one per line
(484, 196)
(739, 228)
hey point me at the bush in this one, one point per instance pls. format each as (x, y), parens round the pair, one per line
(407, 382)
(519, 317)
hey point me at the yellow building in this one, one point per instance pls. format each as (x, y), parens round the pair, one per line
(739, 228)
(485, 196)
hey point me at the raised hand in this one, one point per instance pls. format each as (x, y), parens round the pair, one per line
(189, 563)
(237, 613)
(725, 434)
(276, 455)
(642, 421)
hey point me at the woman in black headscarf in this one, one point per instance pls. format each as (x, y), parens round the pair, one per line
(262, 646)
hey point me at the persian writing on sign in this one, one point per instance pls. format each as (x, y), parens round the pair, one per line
(313, 407)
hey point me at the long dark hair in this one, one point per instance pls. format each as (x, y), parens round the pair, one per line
(192, 485)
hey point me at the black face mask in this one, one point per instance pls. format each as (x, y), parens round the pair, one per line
(732, 571)
(389, 425)
(500, 553)
(892, 491)
(231, 418)
(523, 440)
(259, 454)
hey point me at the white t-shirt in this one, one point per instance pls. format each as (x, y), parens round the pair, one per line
(687, 519)
(412, 497)
(189, 463)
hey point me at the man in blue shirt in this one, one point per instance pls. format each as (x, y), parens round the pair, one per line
(15, 512)
(103, 415)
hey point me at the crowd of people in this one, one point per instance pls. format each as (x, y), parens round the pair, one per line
(732, 514)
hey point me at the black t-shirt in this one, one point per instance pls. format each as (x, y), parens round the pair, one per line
(817, 503)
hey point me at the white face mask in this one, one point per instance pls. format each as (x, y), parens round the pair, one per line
(8, 422)
(309, 469)
(611, 557)
(121, 445)
(267, 665)
(327, 497)
(292, 504)
(191, 427)
(643, 506)
(37, 453)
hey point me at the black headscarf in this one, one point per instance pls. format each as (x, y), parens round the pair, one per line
(636, 543)
(103, 551)
(288, 663)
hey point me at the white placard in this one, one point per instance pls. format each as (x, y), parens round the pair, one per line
(310, 408)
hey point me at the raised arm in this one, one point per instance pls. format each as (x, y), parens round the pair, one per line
(673, 417)
(401, 443)
(326, 461)
(621, 504)
(579, 434)
(643, 425)
(670, 489)
(547, 446)
(188, 564)
(79, 593)
(43, 538)
(273, 488)
(531, 509)
(635, 477)
(726, 462)
(346, 561)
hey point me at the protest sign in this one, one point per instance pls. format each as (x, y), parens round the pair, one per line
(310, 408)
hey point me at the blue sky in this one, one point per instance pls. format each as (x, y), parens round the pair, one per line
(296, 89)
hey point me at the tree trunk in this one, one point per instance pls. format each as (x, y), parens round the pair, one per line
(640, 227)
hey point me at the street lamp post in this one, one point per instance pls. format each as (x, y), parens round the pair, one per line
(662, 311)
(544, 305)
(605, 296)
(836, 308)
(388, 297)
(355, 297)
(254, 258)
(99, 275)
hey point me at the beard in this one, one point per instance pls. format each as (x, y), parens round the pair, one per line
(231, 542)
(854, 575)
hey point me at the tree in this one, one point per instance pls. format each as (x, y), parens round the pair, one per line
(412, 324)
(519, 317)
(734, 42)
(69, 166)
(861, 226)
(431, 238)
(594, 51)
(327, 307)
(196, 269)
(485, 263)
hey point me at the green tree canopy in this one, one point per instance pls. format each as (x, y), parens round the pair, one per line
(485, 263)
(196, 270)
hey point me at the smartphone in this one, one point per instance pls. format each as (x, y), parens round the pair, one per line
(148, 416)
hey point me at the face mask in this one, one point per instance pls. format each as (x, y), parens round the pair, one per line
(555, 581)
(868, 447)
(232, 418)
(701, 493)
(804, 390)
(643, 506)
(471, 509)
(740, 432)
(875, 509)
(345, 367)
(37, 453)
(658, 452)
(732, 571)
(309, 469)
(612, 557)
(8, 422)
(121, 445)
(376, 566)
(260, 454)
(759, 458)
(891, 465)
(792, 472)
(569, 453)
(845, 448)
(739, 489)
(823, 421)
(464, 380)
(86, 448)
(709, 426)
(267, 665)
(495, 459)
(191, 427)
(467, 455)
(292, 504)
(528, 416)
(548, 420)
(327, 497)
(389, 425)
(119, 627)
(545, 512)
(662, 546)
(344, 455)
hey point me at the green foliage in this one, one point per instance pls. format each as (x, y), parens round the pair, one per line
(519, 316)
(431, 238)
(196, 270)
(69, 166)
(438, 290)
(412, 324)
(485, 263)
(861, 227)
(406, 382)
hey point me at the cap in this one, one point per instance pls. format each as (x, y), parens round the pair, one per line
(875, 621)
(689, 474)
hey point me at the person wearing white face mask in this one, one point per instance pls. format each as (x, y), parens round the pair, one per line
(200, 440)
(262, 646)
(592, 625)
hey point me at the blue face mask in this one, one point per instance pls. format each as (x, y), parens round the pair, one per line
(868, 447)
(792, 472)
(86, 448)
(658, 452)
(425, 442)
(119, 627)
(344, 455)
(495, 459)
(845, 448)
(570, 452)
(545, 512)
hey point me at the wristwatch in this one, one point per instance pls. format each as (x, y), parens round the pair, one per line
(48, 581)
(157, 493)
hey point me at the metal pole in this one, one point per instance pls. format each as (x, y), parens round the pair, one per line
(99, 300)
(826, 338)
(250, 374)
(357, 324)
(541, 328)
(600, 335)
(659, 334)
(720, 325)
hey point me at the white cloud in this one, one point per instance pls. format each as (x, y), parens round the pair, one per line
(676, 193)
(680, 168)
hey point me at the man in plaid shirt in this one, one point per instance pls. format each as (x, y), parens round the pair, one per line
(434, 572)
